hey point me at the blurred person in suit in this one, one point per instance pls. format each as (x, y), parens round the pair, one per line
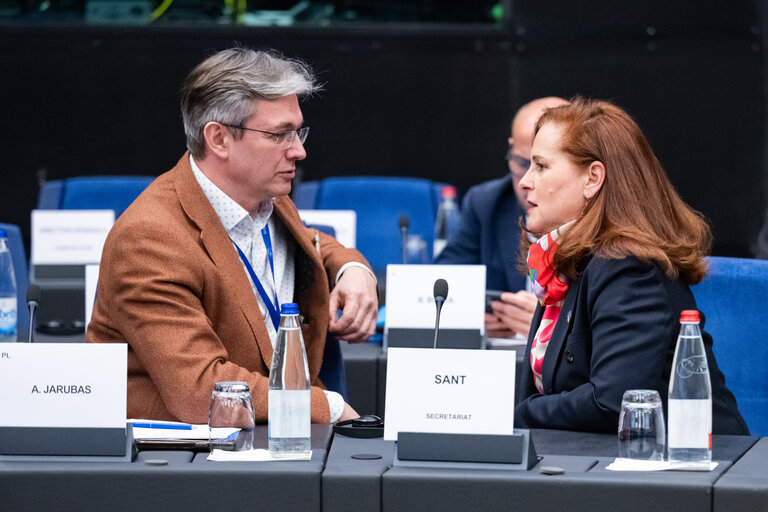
(490, 229)
(193, 273)
(616, 252)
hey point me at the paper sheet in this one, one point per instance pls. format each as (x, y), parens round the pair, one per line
(657, 465)
(196, 432)
(259, 455)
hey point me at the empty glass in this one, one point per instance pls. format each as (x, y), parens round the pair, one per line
(641, 425)
(416, 250)
(231, 408)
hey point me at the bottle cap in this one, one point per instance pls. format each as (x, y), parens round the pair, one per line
(449, 191)
(290, 308)
(689, 315)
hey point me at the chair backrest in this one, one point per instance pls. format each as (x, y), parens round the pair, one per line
(92, 193)
(19, 258)
(379, 203)
(734, 298)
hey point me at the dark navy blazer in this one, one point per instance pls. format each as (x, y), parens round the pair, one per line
(489, 234)
(617, 330)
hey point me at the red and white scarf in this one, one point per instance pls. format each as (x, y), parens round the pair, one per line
(550, 289)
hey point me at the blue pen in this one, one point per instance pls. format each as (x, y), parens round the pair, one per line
(163, 425)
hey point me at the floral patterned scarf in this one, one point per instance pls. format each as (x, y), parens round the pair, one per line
(550, 289)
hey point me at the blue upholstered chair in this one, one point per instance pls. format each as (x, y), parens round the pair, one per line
(734, 299)
(379, 203)
(19, 258)
(92, 193)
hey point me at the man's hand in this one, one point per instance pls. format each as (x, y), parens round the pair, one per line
(512, 315)
(349, 413)
(355, 295)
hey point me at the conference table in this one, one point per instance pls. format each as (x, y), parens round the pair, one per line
(349, 474)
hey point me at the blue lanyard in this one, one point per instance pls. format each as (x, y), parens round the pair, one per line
(272, 308)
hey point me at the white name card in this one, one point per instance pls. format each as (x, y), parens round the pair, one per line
(69, 237)
(63, 385)
(449, 391)
(343, 221)
(411, 303)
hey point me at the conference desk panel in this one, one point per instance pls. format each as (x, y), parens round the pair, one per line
(745, 485)
(187, 482)
(585, 484)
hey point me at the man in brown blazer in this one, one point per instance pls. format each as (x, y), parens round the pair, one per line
(193, 270)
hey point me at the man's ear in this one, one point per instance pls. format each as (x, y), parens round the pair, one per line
(217, 139)
(595, 179)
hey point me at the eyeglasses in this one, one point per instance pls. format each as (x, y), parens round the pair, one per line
(522, 164)
(283, 138)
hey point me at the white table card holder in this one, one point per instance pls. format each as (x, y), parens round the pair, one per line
(410, 316)
(66, 401)
(344, 222)
(454, 408)
(63, 241)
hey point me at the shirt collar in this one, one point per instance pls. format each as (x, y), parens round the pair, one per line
(228, 210)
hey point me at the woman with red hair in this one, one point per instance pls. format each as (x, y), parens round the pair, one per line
(616, 253)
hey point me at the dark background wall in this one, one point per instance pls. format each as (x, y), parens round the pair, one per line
(413, 100)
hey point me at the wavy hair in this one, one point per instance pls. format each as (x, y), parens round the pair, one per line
(224, 86)
(637, 212)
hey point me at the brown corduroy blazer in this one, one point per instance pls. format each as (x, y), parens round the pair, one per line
(172, 286)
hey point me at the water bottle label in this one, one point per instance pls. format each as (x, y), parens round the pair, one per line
(289, 413)
(690, 423)
(691, 366)
(8, 315)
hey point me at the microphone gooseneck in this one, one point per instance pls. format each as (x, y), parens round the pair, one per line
(33, 301)
(440, 292)
(404, 224)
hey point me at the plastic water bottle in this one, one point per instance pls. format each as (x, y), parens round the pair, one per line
(690, 396)
(8, 298)
(448, 220)
(289, 395)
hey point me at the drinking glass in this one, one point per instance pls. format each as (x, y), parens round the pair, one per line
(416, 250)
(231, 408)
(641, 425)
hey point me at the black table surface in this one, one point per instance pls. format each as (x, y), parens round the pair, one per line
(186, 482)
(584, 484)
(360, 474)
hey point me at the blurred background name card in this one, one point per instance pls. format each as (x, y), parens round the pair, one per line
(450, 391)
(63, 385)
(69, 237)
(344, 222)
(411, 303)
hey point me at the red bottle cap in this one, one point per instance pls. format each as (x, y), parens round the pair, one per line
(449, 191)
(689, 315)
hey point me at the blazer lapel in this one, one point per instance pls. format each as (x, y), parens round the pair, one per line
(219, 246)
(314, 301)
(555, 346)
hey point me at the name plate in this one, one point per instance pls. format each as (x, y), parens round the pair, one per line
(63, 385)
(69, 237)
(411, 302)
(344, 222)
(449, 391)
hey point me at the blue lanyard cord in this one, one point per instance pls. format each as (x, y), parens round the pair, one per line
(272, 308)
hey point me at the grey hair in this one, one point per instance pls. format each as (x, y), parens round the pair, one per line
(224, 86)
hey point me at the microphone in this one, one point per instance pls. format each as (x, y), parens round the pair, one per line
(404, 224)
(33, 301)
(440, 291)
